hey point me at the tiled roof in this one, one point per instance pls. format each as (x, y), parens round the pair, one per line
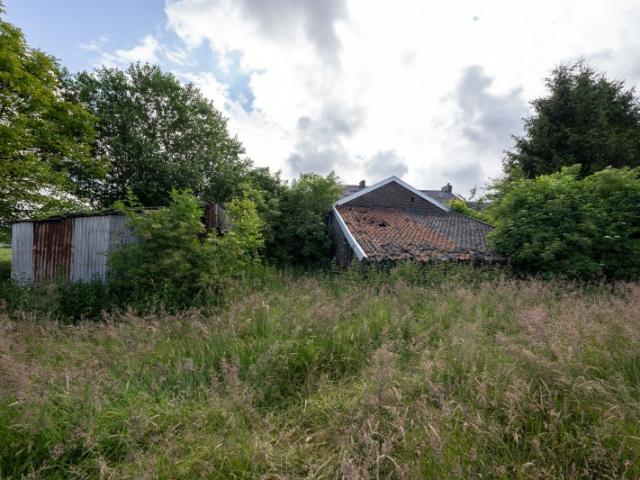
(392, 234)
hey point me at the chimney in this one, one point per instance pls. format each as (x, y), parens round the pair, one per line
(447, 188)
(362, 184)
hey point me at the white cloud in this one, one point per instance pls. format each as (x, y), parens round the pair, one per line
(384, 164)
(445, 85)
(210, 87)
(179, 56)
(146, 51)
(96, 44)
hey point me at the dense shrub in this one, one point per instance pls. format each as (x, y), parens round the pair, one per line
(176, 259)
(5, 262)
(582, 229)
(298, 221)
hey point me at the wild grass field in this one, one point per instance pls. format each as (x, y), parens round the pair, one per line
(333, 376)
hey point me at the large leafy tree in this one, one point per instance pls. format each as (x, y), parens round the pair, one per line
(157, 134)
(44, 136)
(586, 119)
(582, 228)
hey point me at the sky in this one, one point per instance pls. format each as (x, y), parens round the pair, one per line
(429, 91)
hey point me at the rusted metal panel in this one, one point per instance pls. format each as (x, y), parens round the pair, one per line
(90, 248)
(210, 216)
(22, 252)
(215, 218)
(52, 249)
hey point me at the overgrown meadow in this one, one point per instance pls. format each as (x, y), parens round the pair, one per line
(441, 374)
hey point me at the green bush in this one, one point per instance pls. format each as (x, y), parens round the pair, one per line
(296, 221)
(5, 263)
(582, 229)
(175, 260)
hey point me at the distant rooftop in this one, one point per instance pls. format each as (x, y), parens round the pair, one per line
(445, 194)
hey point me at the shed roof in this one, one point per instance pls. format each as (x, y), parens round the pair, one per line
(62, 216)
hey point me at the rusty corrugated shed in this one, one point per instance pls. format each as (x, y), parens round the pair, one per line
(76, 247)
(73, 248)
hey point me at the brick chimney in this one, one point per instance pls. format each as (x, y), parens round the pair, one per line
(362, 184)
(447, 188)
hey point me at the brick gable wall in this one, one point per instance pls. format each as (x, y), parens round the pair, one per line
(394, 195)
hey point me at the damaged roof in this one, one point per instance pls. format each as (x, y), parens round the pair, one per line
(393, 234)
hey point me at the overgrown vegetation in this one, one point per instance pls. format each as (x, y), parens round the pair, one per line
(407, 375)
(176, 260)
(561, 225)
(299, 224)
(460, 206)
(5, 264)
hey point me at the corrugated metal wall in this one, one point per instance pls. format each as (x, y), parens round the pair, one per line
(52, 249)
(22, 252)
(90, 248)
(119, 233)
(70, 248)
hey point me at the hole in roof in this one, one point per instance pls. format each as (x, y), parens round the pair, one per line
(413, 199)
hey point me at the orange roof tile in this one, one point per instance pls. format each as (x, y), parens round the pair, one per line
(391, 234)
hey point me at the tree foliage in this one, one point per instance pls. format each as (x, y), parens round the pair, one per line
(44, 135)
(586, 119)
(582, 228)
(297, 220)
(177, 258)
(460, 206)
(156, 135)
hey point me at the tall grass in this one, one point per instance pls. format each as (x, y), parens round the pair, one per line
(405, 375)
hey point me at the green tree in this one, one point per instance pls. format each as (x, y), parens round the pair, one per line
(45, 137)
(586, 119)
(299, 228)
(583, 229)
(156, 135)
(267, 192)
(176, 259)
(460, 206)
